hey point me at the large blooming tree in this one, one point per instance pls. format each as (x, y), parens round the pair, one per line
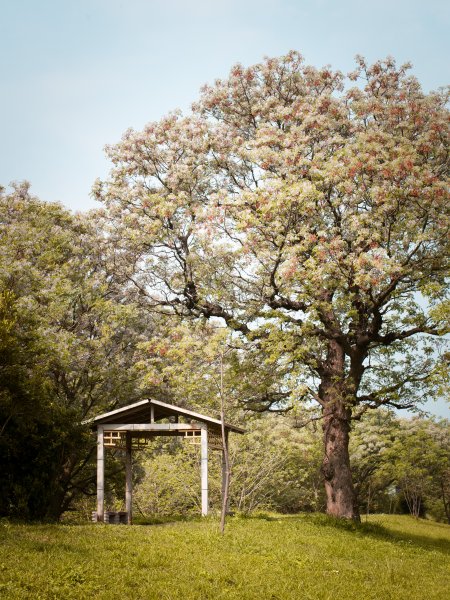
(309, 212)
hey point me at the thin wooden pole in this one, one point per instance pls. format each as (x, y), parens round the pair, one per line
(204, 470)
(100, 475)
(225, 455)
(128, 480)
(225, 475)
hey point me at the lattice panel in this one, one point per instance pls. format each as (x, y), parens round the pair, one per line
(139, 442)
(117, 439)
(114, 439)
(214, 441)
(194, 439)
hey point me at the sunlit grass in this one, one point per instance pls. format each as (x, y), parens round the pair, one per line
(272, 557)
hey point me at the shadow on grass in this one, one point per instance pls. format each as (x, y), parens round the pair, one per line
(259, 516)
(146, 521)
(137, 520)
(379, 532)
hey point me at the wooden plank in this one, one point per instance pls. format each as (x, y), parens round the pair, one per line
(204, 470)
(128, 479)
(151, 426)
(224, 476)
(100, 475)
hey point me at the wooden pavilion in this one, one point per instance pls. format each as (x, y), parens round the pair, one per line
(132, 427)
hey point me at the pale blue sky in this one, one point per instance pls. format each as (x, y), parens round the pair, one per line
(76, 73)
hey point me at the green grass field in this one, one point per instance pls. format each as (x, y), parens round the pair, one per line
(268, 557)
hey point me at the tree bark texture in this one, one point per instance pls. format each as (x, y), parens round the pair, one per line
(336, 409)
(340, 493)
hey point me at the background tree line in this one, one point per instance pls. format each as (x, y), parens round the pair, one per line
(399, 466)
(67, 343)
(72, 345)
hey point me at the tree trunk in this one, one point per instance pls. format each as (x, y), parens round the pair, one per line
(341, 497)
(55, 506)
(444, 488)
(336, 411)
(226, 471)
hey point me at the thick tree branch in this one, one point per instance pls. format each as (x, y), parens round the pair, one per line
(395, 336)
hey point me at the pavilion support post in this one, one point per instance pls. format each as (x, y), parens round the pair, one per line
(128, 479)
(224, 476)
(100, 475)
(204, 469)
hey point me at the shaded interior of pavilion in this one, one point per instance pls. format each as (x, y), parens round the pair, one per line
(131, 427)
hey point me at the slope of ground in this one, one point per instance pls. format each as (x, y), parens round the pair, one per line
(307, 557)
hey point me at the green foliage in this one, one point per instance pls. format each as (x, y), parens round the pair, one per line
(269, 557)
(170, 484)
(181, 362)
(371, 457)
(66, 351)
(274, 467)
(420, 463)
(397, 461)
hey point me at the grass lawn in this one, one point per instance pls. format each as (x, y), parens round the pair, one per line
(278, 557)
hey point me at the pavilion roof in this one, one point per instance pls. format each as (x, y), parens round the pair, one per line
(140, 412)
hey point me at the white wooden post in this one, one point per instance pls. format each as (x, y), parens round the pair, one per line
(100, 475)
(204, 469)
(128, 480)
(224, 474)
